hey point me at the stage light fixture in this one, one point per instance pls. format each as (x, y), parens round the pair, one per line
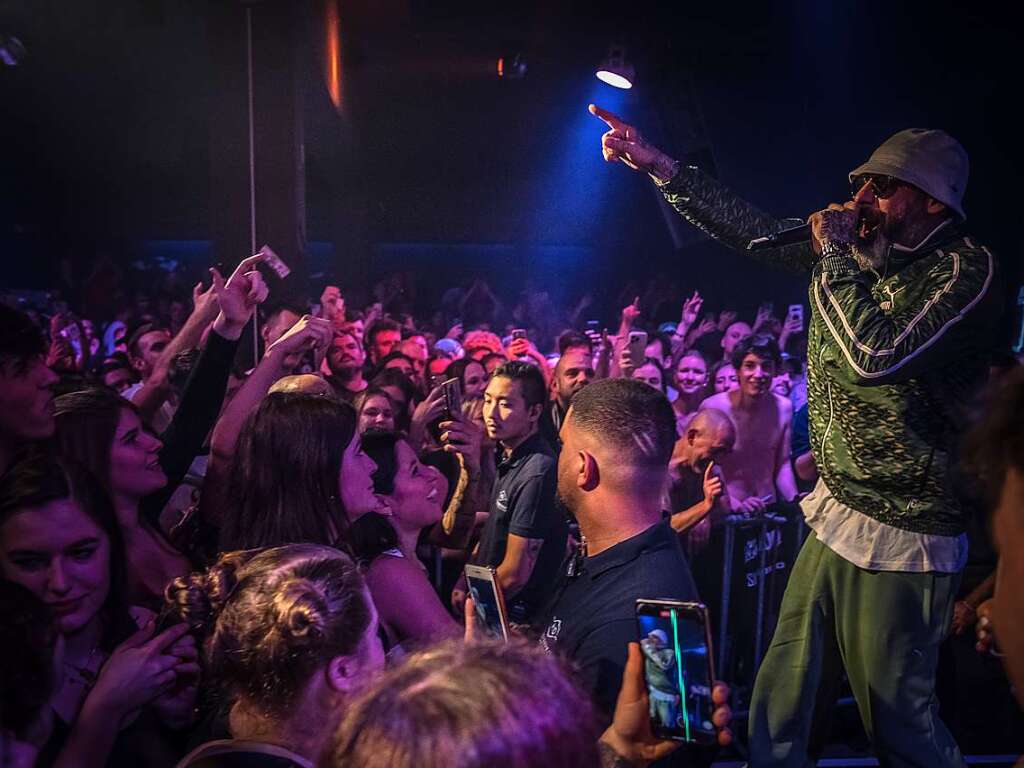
(615, 70)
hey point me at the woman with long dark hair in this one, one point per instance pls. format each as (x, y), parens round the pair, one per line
(299, 474)
(60, 539)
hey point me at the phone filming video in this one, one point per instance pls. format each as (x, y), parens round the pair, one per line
(677, 669)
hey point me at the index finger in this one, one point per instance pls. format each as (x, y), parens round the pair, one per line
(248, 264)
(167, 638)
(707, 472)
(614, 121)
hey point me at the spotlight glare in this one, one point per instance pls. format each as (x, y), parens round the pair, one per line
(614, 79)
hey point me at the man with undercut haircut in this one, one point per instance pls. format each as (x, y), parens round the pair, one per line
(616, 443)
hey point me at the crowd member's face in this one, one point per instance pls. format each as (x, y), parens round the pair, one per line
(119, 379)
(1008, 534)
(277, 327)
(59, 554)
(782, 384)
(135, 469)
(398, 402)
(474, 381)
(691, 374)
(706, 445)
(419, 490)
(26, 401)
(385, 342)
(574, 371)
(650, 375)
(726, 379)
(755, 375)
(150, 346)
(733, 335)
(356, 480)
(417, 353)
(345, 353)
(654, 352)
(506, 415)
(357, 328)
(421, 341)
(403, 365)
(377, 414)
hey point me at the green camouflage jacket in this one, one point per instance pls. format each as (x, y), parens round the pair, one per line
(893, 358)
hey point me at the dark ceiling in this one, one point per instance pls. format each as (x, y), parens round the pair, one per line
(107, 134)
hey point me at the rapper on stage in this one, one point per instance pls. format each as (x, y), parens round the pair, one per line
(903, 309)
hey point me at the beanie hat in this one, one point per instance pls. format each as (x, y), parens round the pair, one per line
(933, 161)
(449, 347)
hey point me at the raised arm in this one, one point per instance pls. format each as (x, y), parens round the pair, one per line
(701, 200)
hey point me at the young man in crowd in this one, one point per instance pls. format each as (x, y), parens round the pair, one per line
(26, 384)
(617, 440)
(757, 471)
(416, 351)
(277, 321)
(525, 535)
(345, 358)
(904, 311)
(383, 338)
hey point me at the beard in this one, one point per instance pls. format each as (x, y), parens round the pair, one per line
(872, 241)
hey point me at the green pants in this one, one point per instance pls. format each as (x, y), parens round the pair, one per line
(884, 628)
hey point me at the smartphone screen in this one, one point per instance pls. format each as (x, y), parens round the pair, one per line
(452, 389)
(483, 588)
(676, 648)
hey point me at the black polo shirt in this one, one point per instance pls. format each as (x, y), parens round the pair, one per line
(592, 615)
(523, 503)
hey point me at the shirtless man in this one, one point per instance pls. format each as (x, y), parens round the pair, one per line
(757, 472)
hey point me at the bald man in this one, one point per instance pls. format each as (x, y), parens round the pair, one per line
(696, 483)
(302, 384)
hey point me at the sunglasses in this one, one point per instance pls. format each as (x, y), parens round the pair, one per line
(881, 186)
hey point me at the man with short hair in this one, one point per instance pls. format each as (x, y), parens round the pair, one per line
(904, 311)
(345, 358)
(616, 443)
(525, 534)
(417, 353)
(757, 471)
(383, 338)
(26, 384)
(145, 343)
(277, 321)
(575, 370)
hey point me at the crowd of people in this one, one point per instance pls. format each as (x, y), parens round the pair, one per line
(215, 558)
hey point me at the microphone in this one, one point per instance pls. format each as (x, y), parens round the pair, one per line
(791, 236)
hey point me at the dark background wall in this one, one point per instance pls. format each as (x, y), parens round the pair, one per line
(108, 142)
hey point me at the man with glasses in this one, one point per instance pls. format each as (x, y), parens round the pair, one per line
(904, 309)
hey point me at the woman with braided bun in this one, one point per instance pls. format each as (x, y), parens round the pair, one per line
(289, 636)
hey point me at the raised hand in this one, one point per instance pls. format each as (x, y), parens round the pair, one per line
(630, 313)
(630, 735)
(332, 304)
(624, 144)
(239, 295)
(725, 318)
(707, 325)
(204, 303)
(462, 436)
(764, 317)
(308, 333)
(691, 309)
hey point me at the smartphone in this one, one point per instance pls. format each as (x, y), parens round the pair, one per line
(274, 261)
(796, 311)
(638, 347)
(518, 333)
(488, 601)
(678, 669)
(452, 389)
